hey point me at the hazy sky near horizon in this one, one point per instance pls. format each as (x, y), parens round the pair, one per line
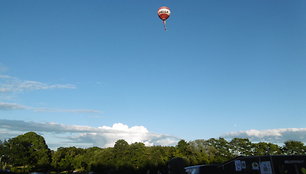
(91, 72)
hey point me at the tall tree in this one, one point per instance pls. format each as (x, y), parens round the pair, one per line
(65, 158)
(263, 148)
(202, 152)
(29, 150)
(294, 148)
(222, 148)
(120, 152)
(182, 146)
(241, 146)
(137, 155)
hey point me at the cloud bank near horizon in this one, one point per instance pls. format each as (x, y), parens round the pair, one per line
(59, 135)
(271, 135)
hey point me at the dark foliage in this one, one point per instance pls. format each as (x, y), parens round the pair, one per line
(29, 152)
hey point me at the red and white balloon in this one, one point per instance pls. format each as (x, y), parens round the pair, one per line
(164, 13)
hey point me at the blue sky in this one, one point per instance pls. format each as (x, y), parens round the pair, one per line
(223, 68)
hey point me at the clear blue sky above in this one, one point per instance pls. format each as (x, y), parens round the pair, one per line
(223, 65)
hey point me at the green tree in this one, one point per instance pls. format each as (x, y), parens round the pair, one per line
(294, 148)
(263, 148)
(184, 151)
(103, 160)
(137, 155)
(66, 159)
(2, 154)
(88, 158)
(121, 152)
(241, 146)
(221, 148)
(202, 152)
(29, 151)
(158, 157)
(182, 147)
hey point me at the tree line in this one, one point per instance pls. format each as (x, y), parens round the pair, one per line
(29, 152)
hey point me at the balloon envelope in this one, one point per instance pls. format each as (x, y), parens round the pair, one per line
(164, 13)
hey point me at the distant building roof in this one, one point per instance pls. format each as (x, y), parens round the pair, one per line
(266, 164)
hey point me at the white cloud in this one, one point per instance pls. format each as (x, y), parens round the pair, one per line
(20, 86)
(271, 135)
(66, 110)
(12, 84)
(59, 135)
(13, 106)
(5, 77)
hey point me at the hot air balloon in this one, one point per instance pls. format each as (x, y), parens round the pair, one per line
(164, 14)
